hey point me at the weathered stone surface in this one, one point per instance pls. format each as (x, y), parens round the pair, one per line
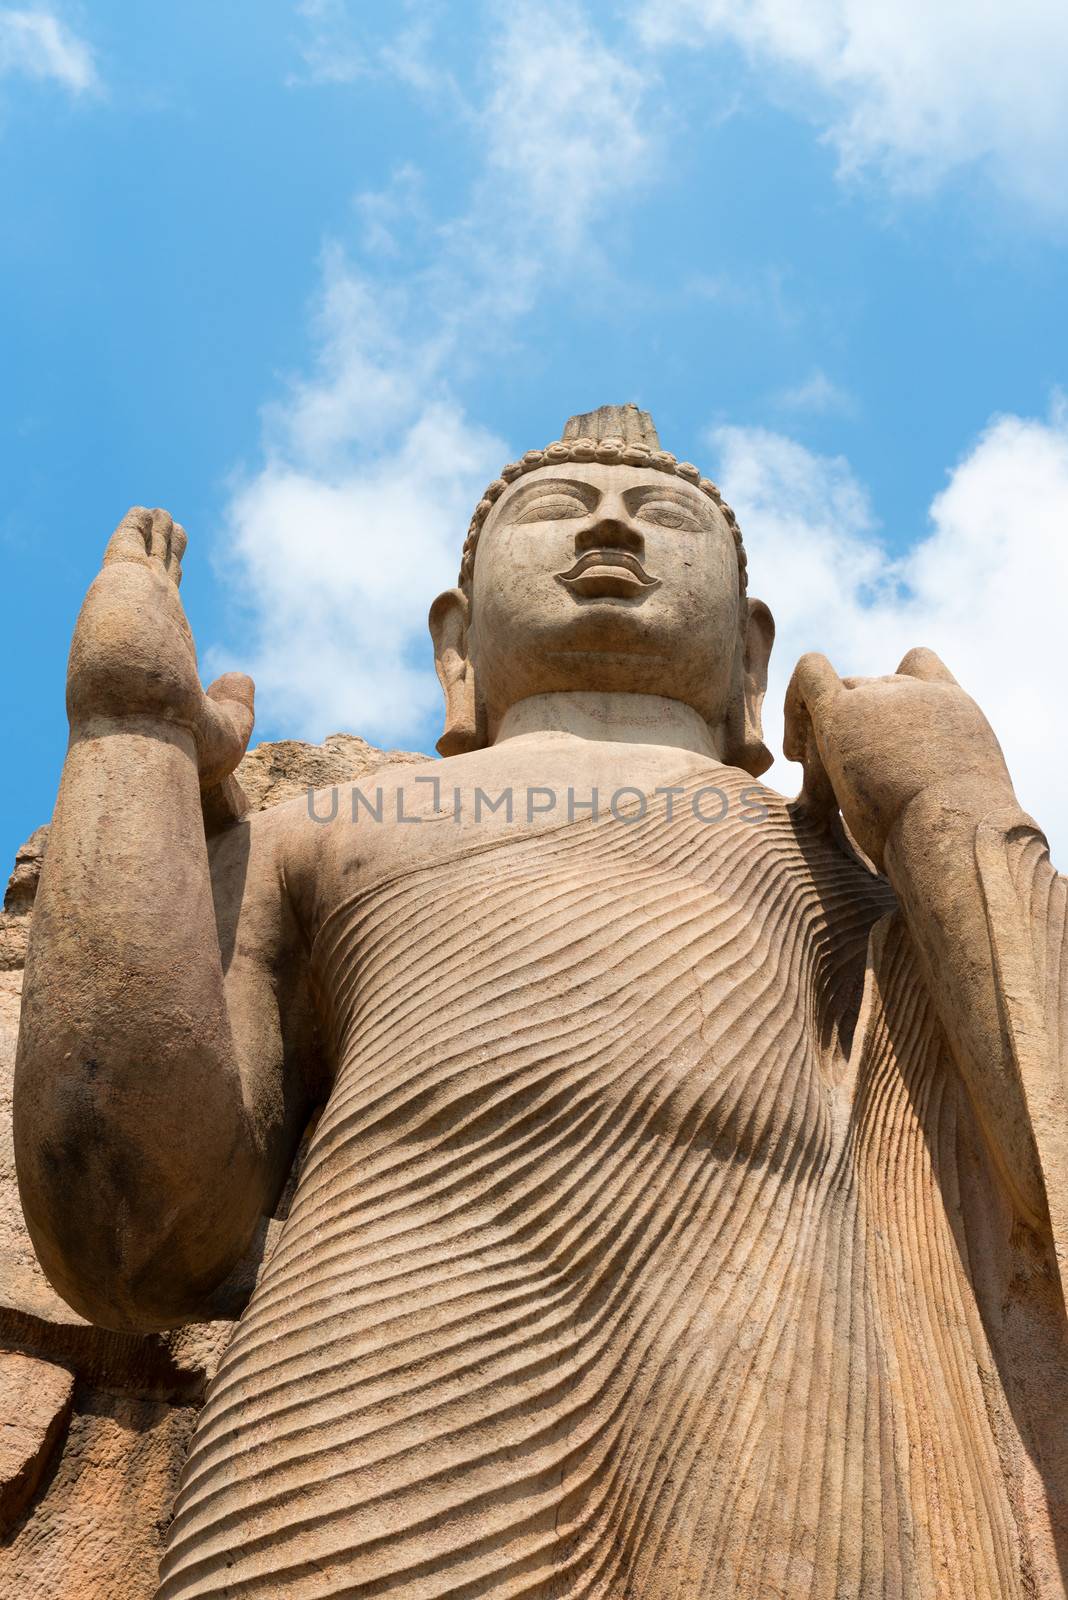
(96, 1530)
(22, 885)
(14, 930)
(271, 773)
(35, 1401)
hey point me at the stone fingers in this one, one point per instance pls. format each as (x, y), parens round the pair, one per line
(132, 538)
(145, 536)
(923, 663)
(227, 725)
(814, 683)
(179, 542)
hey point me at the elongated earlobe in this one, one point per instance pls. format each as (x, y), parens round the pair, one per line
(448, 628)
(744, 745)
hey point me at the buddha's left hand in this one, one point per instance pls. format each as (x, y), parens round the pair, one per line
(873, 746)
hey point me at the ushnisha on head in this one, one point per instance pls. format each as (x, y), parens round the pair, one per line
(604, 564)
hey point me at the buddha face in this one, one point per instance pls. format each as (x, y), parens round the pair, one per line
(606, 578)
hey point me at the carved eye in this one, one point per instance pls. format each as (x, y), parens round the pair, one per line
(669, 514)
(553, 508)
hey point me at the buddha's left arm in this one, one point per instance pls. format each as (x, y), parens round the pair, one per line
(922, 784)
(987, 915)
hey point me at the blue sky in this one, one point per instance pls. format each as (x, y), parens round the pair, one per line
(307, 275)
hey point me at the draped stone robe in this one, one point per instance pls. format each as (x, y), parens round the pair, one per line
(647, 1248)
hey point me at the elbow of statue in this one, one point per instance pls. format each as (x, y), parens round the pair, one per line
(135, 1219)
(133, 1273)
(136, 1297)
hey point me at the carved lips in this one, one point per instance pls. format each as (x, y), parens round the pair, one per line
(608, 572)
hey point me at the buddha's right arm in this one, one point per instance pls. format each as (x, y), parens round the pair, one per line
(153, 1124)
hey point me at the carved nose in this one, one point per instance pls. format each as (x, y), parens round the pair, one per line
(609, 533)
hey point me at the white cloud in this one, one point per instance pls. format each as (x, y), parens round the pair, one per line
(986, 587)
(385, 211)
(340, 569)
(372, 468)
(339, 543)
(815, 394)
(562, 125)
(915, 88)
(329, 49)
(369, 376)
(38, 45)
(337, 45)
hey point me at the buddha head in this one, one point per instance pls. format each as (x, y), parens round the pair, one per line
(603, 564)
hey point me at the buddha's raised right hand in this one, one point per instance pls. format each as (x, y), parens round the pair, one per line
(133, 659)
(146, 1150)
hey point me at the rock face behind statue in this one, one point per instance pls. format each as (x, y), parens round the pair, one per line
(95, 1426)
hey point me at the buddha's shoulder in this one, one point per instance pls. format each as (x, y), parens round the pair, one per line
(332, 837)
